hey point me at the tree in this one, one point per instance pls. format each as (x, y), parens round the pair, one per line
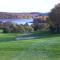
(40, 24)
(54, 18)
(20, 28)
(15, 28)
(36, 23)
(26, 26)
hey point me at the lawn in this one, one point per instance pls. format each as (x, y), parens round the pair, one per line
(47, 48)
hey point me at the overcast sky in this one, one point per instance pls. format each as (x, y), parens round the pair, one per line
(27, 5)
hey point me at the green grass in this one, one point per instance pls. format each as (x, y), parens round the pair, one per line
(47, 48)
(4, 37)
(1, 30)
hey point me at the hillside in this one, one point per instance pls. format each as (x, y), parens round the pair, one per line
(7, 15)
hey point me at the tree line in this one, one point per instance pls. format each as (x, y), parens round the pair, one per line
(51, 24)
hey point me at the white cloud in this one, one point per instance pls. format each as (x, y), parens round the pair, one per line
(27, 5)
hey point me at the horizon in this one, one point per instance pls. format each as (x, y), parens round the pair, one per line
(23, 12)
(23, 6)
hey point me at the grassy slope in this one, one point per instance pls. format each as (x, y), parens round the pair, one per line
(47, 48)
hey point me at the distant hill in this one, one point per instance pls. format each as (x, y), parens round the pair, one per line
(43, 14)
(7, 15)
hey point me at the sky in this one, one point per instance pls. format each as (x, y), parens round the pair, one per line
(27, 5)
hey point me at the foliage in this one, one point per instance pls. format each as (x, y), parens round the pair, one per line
(40, 25)
(54, 18)
(28, 28)
(9, 27)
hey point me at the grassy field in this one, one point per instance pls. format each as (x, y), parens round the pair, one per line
(47, 48)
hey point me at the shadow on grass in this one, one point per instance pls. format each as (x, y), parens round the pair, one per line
(37, 35)
(7, 39)
(46, 35)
